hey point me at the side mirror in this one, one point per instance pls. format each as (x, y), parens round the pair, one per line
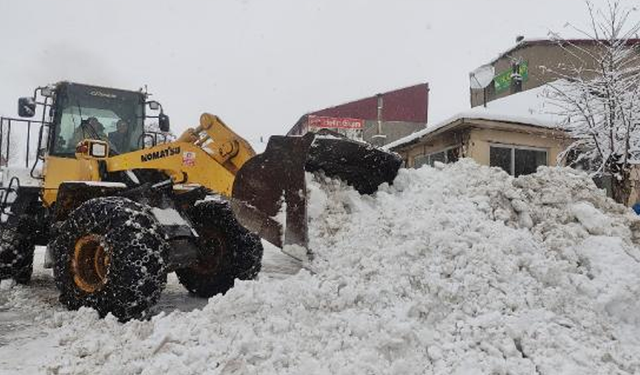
(26, 107)
(163, 122)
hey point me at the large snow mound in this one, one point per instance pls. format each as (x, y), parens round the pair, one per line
(458, 269)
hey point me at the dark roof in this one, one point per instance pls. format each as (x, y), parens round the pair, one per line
(408, 104)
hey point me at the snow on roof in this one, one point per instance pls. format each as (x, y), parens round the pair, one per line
(527, 108)
(522, 43)
(550, 40)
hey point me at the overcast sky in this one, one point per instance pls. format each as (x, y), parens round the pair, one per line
(260, 65)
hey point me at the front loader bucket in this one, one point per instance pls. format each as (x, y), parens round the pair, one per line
(269, 191)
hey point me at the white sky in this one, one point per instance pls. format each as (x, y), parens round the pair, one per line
(260, 65)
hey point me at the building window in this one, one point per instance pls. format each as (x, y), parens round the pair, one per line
(453, 154)
(448, 155)
(501, 157)
(438, 156)
(517, 160)
(420, 160)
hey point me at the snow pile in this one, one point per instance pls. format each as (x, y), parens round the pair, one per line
(459, 269)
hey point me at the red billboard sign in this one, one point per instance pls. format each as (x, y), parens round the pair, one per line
(335, 122)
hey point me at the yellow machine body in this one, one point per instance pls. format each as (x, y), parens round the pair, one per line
(209, 155)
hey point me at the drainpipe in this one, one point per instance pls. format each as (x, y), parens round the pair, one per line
(379, 138)
(380, 105)
(484, 96)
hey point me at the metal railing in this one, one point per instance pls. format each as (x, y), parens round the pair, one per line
(152, 138)
(25, 147)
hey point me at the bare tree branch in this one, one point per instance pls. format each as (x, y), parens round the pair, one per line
(600, 90)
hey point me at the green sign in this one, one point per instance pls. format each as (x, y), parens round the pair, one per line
(502, 81)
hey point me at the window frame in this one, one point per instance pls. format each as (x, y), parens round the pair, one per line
(428, 156)
(513, 149)
(62, 95)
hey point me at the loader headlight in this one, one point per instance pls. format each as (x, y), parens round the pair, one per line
(98, 150)
(92, 149)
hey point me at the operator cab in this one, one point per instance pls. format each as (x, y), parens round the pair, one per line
(88, 112)
(77, 112)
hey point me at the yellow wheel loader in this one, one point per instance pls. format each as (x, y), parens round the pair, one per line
(119, 206)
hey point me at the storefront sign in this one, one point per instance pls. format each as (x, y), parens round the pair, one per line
(323, 122)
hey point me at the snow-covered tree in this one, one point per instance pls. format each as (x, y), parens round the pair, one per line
(599, 95)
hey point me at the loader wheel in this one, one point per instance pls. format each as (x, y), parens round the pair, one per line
(109, 256)
(228, 251)
(16, 253)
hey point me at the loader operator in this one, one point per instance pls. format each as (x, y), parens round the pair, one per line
(118, 138)
(91, 128)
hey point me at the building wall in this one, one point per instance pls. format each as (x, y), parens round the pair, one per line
(434, 144)
(634, 196)
(476, 137)
(393, 130)
(408, 104)
(404, 111)
(538, 55)
(480, 140)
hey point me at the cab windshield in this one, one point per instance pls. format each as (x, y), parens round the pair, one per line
(94, 113)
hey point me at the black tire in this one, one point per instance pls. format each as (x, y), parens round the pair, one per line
(228, 251)
(109, 255)
(23, 276)
(16, 253)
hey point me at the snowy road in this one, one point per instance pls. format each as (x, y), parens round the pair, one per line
(27, 323)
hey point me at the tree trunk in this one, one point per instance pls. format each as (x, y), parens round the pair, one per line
(621, 188)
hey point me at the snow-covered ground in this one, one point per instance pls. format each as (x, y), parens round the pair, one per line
(458, 269)
(29, 337)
